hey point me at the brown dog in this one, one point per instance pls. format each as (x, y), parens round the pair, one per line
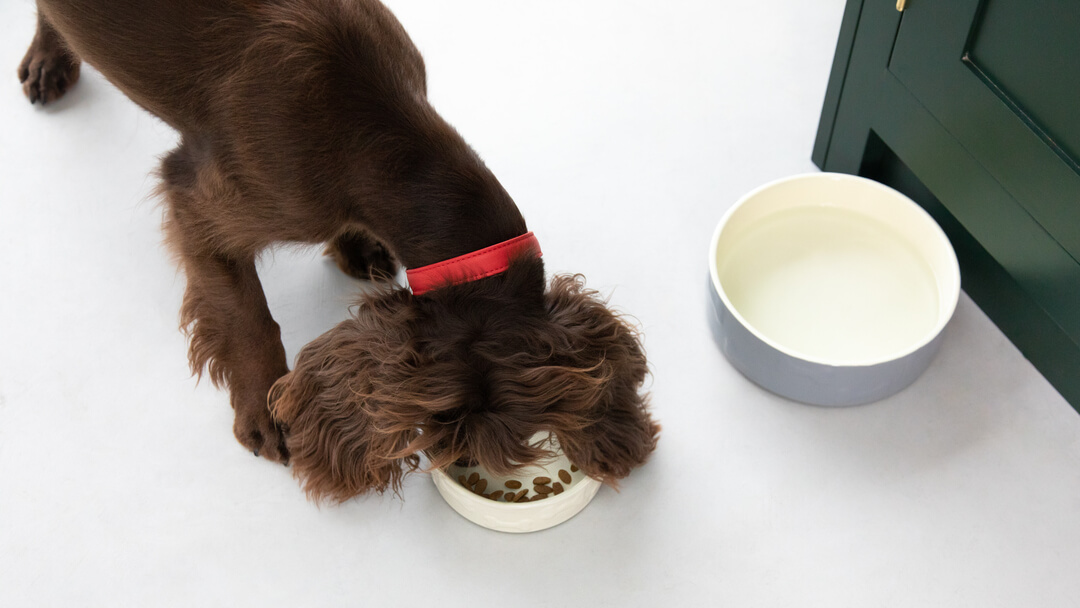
(307, 121)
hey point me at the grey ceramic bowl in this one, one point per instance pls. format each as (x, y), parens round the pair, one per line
(830, 289)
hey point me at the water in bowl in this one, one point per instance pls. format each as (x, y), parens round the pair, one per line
(831, 285)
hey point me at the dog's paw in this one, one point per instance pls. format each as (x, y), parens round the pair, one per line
(47, 71)
(362, 257)
(256, 430)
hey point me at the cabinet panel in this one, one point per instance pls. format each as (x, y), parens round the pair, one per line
(986, 75)
(1029, 54)
(920, 100)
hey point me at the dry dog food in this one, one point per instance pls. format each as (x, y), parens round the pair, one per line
(542, 487)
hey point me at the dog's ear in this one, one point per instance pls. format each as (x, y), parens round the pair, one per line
(606, 431)
(350, 429)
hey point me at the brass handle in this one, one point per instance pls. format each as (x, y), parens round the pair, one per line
(900, 5)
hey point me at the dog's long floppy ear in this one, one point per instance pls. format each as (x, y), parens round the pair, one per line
(350, 429)
(606, 430)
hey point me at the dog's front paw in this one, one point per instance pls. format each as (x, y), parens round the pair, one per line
(362, 257)
(48, 70)
(256, 430)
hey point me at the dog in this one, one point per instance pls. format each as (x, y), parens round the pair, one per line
(307, 121)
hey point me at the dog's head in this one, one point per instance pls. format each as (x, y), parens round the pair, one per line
(466, 373)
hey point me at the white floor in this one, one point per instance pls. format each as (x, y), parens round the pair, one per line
(624, 129)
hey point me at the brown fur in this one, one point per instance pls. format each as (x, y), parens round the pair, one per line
(307, 121)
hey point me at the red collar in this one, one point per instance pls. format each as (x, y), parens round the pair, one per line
(486, 262)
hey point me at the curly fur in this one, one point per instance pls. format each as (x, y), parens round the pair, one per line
(471, 373)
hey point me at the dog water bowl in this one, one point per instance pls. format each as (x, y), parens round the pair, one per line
(830, 289)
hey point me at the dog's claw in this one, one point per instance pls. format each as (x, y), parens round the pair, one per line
(256, 431)
(33, 90)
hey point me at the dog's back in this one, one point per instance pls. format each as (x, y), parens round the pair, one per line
(181, 59)
(152, 50)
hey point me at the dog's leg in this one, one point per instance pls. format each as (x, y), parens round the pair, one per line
(232, 335)
(49, 68)
(361, 256)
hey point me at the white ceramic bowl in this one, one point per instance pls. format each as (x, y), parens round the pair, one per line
(518, 516)
(830, 289)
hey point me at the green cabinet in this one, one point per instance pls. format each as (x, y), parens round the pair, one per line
(972, 108)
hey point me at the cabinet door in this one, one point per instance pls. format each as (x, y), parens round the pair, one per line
(973, 109)
(1003, 78)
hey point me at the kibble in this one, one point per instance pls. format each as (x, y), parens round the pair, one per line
(542, 487)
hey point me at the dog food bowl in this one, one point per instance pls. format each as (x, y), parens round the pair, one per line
(830, 289)
(575, 491)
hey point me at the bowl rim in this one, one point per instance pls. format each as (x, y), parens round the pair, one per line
(480, 501)
(953, 269)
